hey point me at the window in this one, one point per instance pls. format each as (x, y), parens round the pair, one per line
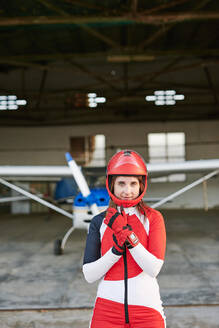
(167, 147)
(88, 150)
(79, 147)
(98, 156)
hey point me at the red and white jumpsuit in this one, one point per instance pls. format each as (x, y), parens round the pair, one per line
(128, 293)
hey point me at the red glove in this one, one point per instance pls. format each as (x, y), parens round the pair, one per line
(119, 239)
(115, 220)
(118, 245)
(124, 237)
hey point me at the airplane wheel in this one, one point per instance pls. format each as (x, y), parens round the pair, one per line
(57, 247)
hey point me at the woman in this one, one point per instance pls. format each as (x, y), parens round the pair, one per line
(125, 248)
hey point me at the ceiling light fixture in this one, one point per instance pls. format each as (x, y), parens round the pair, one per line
(164, 97)
(93, 100)
(11, 102)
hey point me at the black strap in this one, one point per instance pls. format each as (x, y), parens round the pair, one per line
(111, 221)
(126, 287)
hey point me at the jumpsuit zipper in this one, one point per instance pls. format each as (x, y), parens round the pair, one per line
(126, 287)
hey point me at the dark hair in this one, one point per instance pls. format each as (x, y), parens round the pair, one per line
(141, 205)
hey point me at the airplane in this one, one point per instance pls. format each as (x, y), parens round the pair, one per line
(89, 202)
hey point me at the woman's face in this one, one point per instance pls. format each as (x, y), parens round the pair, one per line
(126, 188)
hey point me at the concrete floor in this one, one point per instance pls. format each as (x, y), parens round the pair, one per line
(47, 290)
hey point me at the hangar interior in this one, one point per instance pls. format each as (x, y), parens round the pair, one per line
(92, 78)
(71, 71)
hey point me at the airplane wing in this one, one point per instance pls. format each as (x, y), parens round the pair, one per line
(195, 166)
(54, 173)
(47, 173)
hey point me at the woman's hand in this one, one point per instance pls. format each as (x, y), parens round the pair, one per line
(122, 232)
(115, 220)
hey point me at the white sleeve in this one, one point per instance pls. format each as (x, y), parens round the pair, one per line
(95, 270)
(149, 263)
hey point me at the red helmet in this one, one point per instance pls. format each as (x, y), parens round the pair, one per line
(126, 163)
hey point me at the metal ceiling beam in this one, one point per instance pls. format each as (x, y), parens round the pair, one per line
(52, 7)
(23, 82)
(99, 36)
(98, 77)
(211, 84)
(88, 29)
(169, 69)
(123, 58)
(156, 35)
(128, 55)
(164, 6)
(157, 19)
(166, 69)
(134, 7)
(164, 29)
(202, 4)
(149, 77)
(125, 78)
(84, 4)
(41, 89)
(176, 17)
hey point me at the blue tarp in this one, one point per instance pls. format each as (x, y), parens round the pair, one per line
(65, 188)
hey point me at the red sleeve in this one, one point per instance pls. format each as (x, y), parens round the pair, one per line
(157, 234)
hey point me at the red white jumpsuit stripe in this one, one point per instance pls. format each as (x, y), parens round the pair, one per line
(128, 293)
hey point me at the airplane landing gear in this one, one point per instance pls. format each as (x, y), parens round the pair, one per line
(59, 244)
(57, 247)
